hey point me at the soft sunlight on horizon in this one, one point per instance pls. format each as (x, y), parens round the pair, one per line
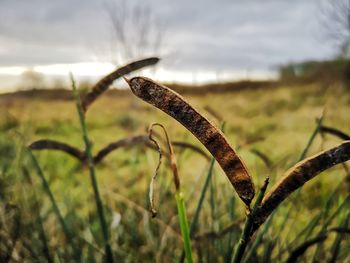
(11, 77)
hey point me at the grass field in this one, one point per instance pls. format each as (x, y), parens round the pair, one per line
(277, 122)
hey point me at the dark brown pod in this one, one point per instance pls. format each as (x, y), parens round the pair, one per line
(212, 138)
(298, 175)
(59, 146)
(103, 84)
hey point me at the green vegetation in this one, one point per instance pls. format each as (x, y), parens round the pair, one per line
(52, 217)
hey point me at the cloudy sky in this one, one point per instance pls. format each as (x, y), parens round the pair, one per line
(199, 39)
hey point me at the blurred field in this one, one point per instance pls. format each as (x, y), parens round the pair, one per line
(276, 121)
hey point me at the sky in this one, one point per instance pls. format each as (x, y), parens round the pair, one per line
(198, 41)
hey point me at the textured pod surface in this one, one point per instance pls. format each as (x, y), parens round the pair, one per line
(298, 175)
(212, 138)
(102, 85)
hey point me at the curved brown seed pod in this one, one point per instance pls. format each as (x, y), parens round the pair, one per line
(298, 175)
(103, 84)
(173, 104)
(60, 146)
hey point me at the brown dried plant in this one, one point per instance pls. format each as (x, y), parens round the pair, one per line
(177, 107)
(80, 155)
(101, 86)
(212, 138)
(172, 163)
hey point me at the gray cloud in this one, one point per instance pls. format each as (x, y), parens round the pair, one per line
(207, 34)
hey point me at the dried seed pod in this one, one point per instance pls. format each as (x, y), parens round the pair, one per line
(126, 142)
(60, 146)
(102, 85)
(173, 104)
(298, 175)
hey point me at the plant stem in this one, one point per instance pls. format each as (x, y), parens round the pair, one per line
(246, 234)
(104, 228)
(184, 226)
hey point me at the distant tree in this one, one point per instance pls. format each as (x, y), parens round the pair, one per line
(136, 32)
(336, 21)
(31, 79)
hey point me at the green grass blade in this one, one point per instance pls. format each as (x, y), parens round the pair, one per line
(195, 219)
(49, 193)
(103, 223)
(268, 251)
(232, 236)
(185, 232)
(201, 198)
(328, 222)
(42, 234)
(310, 227)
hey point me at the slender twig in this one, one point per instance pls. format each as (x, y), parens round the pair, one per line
(154, 177)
